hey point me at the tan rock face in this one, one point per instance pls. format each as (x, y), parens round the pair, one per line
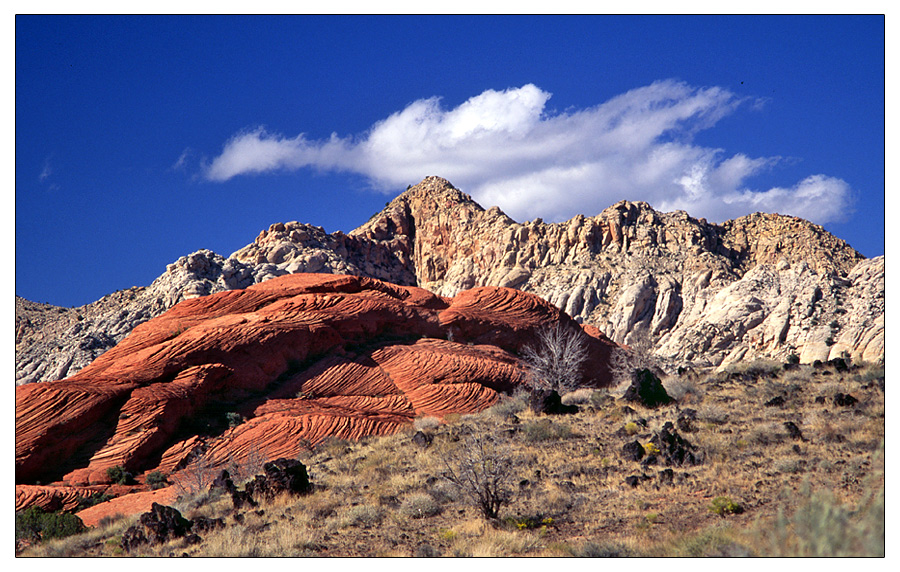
(302, 357)
(691, 292)
(648, 279)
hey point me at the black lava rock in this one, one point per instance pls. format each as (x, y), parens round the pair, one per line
(646, 389)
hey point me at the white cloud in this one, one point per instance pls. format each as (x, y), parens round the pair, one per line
(504, 149)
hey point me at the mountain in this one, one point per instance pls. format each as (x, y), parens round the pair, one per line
(692, 293)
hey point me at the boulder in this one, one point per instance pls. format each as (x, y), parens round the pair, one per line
(159, 525)
(646, 389)
(549, 402)
(674, 449)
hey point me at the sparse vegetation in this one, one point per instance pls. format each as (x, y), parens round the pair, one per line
(34, 524)
(556, 362)
(482, 472)
(561, 480)
(119, 475)
(157, 480)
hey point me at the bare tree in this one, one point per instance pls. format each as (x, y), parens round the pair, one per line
(197, 476)
(556, 362)
(247, 466)
(636, 356)
(482, 473)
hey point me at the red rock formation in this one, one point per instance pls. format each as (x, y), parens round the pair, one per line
(302, 357)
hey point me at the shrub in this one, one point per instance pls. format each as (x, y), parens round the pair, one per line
(679, 388)
(556, 362)
(545, 430)
(595, 550)
(35, 524)
(94, 499)
(419, 505)
(119, 475)
(234, 419)
(426, 423)
(482, 473)
(724, 505)
(157, 480)
(364, 516)
(528, 522)
(822, 527)
(509, 405)
(651, 449)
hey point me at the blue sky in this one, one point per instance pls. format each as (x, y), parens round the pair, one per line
(142, 139)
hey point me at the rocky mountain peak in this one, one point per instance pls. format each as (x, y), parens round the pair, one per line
(689, 291)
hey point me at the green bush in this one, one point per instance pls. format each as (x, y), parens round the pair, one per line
(35, 524)
(94, 499)
(724, 505)
(157, 480)
(119, 475)
(528, 522)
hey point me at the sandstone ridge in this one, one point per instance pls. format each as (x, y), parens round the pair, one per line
(689, 291)
(272, 370)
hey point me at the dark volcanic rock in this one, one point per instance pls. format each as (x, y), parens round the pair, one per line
(793, 431)
(422, 439)
(687, 421)
(282, 476)
(673, 448)
(646, 389)
(633, 451)
(161, 524)
(549, 402)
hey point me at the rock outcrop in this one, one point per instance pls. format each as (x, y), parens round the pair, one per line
(301, 358)
(690, 292)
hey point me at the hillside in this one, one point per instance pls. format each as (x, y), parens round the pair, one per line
(690, 292)
(779, 468)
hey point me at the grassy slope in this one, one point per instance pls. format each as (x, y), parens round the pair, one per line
(823, 495)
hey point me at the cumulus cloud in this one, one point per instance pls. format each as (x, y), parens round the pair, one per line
(505, 148)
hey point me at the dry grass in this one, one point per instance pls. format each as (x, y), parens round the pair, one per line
(819, 495)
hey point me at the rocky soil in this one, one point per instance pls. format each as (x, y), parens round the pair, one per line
(756, 460)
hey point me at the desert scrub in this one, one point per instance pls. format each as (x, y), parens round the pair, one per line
(822, 527)
(713, 414)
(755, 369)
(508, 406)
(482, 472)
(723, 505)
(157, 480)
(651, 449)
(546, 430)
(119, 475)
(35, 524)
(93, 500)
(681, 389)
(363, 516)
(528, 522)
(419, 505)
(426, 423)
